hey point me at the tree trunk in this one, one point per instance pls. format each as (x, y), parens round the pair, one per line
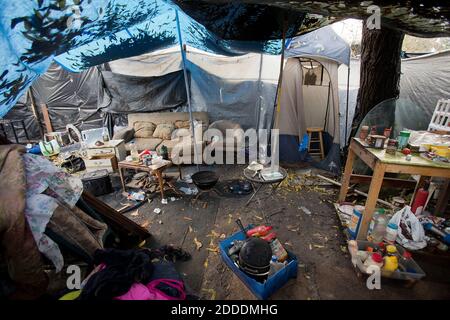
(380, 69)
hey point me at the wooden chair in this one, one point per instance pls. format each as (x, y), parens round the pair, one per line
(316, 138)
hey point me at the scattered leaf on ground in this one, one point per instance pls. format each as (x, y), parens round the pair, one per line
(190, 229)
(135, 214)
(187, 218)
(145, 224)
(212, 292)
(198, 244)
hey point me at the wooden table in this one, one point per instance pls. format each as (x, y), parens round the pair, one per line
(380, 163)
(155, 169)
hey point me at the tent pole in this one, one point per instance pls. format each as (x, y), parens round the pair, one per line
(346, 108)
(183, 58)
(280, 80)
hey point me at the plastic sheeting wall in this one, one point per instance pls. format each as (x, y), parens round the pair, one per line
(69, 97)
(241, 88)
(424, 80)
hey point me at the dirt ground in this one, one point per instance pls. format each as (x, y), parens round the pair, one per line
(314, 235)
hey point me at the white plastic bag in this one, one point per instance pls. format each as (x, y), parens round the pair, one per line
(408, 223)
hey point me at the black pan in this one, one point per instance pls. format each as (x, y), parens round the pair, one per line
(205, 180)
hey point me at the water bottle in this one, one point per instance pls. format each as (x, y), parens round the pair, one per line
(275, 266)
(134, 152)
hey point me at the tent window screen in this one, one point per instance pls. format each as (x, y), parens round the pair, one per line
(314, 74)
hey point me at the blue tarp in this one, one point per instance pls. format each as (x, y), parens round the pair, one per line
(322, 43)
(82, 33)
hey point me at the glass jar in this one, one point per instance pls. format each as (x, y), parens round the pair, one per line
(391, 147)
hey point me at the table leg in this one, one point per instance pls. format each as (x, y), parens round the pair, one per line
(254, 194)
(158, 174)
(121, 178)
(369, 208)
(347, 174)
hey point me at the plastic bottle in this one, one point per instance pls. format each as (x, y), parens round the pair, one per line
(377, 227)
(374, 259)
(391, 260)
(275, 266)
(278, 250)
(134, 152)
(105, 134)
(259, 231)
(391, 233)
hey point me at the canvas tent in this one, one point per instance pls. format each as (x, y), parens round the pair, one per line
(309, 95)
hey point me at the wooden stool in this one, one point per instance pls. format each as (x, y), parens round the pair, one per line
(317, 139)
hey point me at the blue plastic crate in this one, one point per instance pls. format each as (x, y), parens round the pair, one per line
(273, 283)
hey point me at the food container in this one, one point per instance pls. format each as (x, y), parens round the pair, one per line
(403, 139)
(391, 147)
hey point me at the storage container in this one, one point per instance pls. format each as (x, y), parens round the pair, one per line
(273, 283)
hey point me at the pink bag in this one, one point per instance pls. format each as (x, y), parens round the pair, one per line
(157, 294)
(138, 291)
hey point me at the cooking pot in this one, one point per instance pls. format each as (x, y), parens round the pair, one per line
(205, 180)
(255, 255)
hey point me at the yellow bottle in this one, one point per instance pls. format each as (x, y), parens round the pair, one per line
(391, 260)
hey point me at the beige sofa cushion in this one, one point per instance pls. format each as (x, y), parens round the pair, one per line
(182, 132)
(182, 124)
(144, 129)
(144, 143)
(164, 131)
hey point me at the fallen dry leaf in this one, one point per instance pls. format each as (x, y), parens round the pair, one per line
(206, 264)
(198, 244)
(318, 246)
(259, 218)
(212, 292)
(213, 234)
(145, 224)
(190, 229)
(135, 214)
(187, 218)
(223, 236)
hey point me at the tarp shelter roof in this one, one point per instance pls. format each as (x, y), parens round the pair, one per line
(33, 32)
(321, 43)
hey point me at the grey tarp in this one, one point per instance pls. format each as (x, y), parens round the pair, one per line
(69, 97)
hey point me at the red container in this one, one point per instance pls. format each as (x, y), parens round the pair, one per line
(420, 200)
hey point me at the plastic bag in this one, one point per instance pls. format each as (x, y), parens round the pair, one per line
(410, 231)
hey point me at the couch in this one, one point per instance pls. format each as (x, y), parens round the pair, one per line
(153, 130)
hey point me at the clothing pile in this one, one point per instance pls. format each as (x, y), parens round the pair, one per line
(38, 214)
(142, 274)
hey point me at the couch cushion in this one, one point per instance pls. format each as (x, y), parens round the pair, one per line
(182, 132)
(144, 129)
(164, 131)
(182, 124)
(144, 143)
